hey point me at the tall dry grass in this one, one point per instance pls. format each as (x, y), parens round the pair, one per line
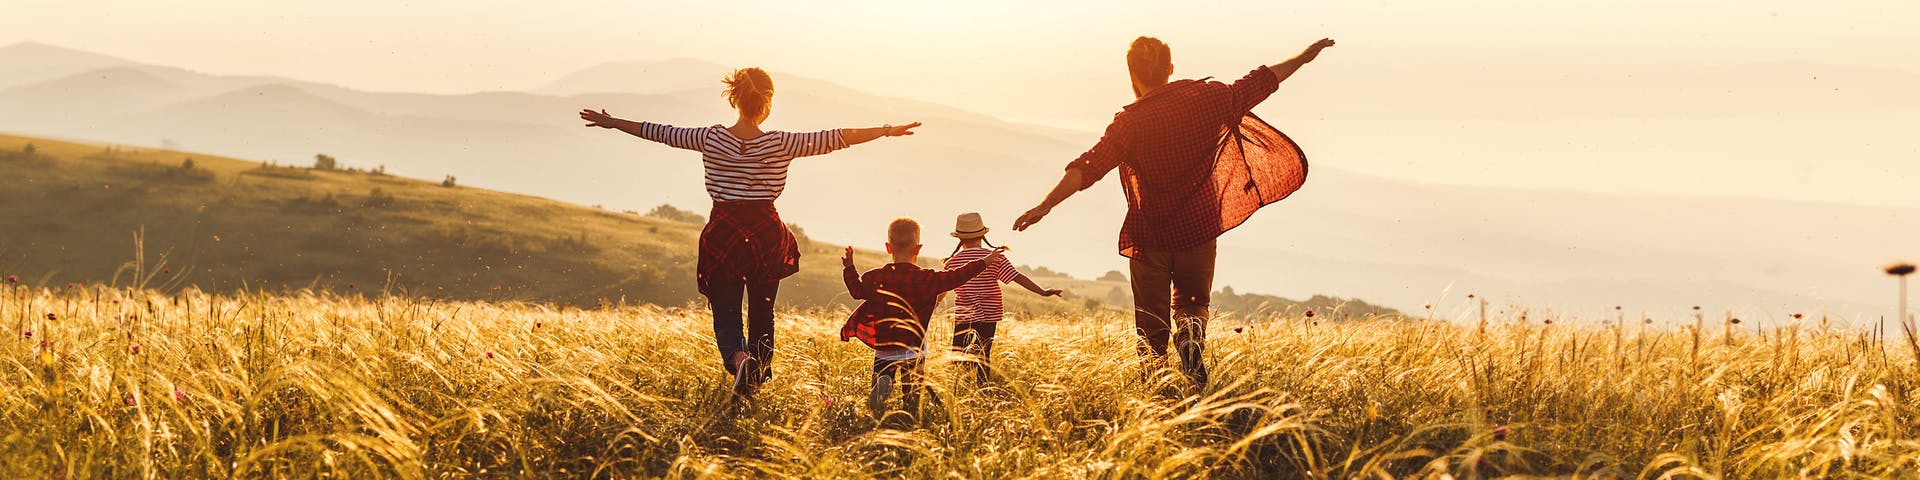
(348, 387)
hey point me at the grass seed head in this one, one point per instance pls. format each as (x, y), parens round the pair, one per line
(1900, 269)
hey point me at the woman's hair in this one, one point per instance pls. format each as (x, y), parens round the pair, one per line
(750, 90)
(1149, 61)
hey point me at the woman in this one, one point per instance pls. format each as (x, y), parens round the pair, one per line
(745, 249)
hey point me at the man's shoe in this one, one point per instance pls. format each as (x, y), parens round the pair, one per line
(1192, 364)
(877, 401)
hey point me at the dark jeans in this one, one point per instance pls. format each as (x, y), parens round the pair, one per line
(976, 339)
(725, 297)
(1189, 273)
(906, 378)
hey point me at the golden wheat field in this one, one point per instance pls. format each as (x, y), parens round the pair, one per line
(104, 382)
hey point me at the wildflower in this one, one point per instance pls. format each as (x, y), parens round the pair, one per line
(1309, 313)
(13, 279)
(1238, 329)
(168, 270)
(52, 317)
(179, 396)
(1500, 432)
(133, 399)
(134, 349)
(349, 286)
(28, 333)
(1735, 321)
(1900, 269)
(489, 354)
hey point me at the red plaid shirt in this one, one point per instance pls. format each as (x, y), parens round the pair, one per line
(1194, 162)
(898, 299)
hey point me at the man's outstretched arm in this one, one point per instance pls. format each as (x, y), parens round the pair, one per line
(1070, 183)
(1285, 69)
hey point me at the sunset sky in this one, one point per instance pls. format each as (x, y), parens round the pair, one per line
(1689, 97)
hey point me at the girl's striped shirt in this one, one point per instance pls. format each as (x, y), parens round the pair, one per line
(978, 300)
(745, 169)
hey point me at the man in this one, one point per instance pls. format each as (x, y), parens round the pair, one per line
(1194, 163)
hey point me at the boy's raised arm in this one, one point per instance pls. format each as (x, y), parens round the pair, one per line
(952, 279)
(855, 288)
(1036, 288)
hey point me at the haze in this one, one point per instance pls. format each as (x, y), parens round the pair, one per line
(1571, 154)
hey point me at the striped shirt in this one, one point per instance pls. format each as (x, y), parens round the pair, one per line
(978, 300)
(745, 169)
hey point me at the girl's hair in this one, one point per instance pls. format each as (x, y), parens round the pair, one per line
(750, 90)
(963, 243)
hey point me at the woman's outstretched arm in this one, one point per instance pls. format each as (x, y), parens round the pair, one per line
(856, 136)
(677, 137)
(820, 143)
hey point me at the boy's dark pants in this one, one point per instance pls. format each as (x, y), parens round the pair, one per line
(1190, 275)
(906, 378)
(976, 339)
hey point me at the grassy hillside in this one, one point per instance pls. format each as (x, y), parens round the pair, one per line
(112, 383)
(72, 213)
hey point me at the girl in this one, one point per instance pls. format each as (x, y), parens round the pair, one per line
(745, 249)
(977, 304)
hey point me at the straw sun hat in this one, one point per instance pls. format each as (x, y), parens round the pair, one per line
(969, 225)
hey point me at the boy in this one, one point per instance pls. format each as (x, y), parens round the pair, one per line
(897, 301)
(978, 306)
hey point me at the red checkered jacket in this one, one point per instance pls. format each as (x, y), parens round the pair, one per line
(1194, 161)
(898, 300)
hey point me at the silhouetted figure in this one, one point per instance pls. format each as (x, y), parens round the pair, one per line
(745, 248)
(1194, 163)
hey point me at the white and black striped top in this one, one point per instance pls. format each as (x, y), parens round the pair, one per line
(745, 169)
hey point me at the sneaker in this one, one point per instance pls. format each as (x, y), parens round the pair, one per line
(743, 377)
(877, 401)
(1192, 364)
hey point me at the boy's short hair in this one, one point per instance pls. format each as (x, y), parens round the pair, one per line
(1149, 60)
(903, 232)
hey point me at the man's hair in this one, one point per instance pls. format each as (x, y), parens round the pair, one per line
(903, 232)
(1149, 61)
(750, 90)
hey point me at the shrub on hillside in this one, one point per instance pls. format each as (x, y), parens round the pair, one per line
(669, 213)
(378, 199)
(323, 161)
(450, 182)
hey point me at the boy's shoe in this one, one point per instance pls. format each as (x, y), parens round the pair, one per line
(1192, 364)
(743, 384)
(877, 401)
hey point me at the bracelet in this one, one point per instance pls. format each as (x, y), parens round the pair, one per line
(886, 130)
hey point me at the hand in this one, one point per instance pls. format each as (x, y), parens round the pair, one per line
(848, 259)
(1052, 293)
(597, 119)
(1031, 217)
(900, 130)
(998, 253)
(1313, 51)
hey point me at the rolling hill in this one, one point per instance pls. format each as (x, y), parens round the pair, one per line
(83, 213)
